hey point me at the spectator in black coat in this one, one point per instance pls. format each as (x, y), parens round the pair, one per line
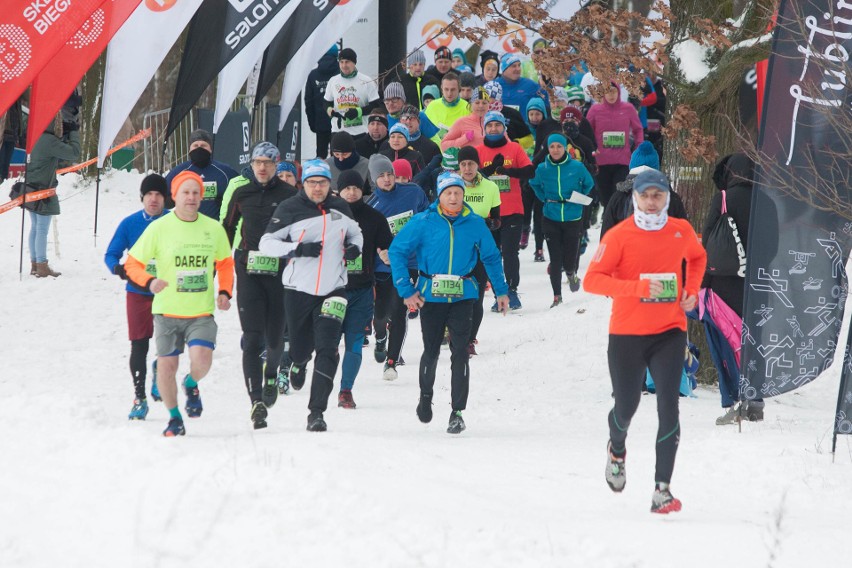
(318, 120)
(377, 134)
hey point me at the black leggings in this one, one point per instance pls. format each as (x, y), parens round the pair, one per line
(434, 317)
(478, 310)
(309, 332)
(390, 316)
(606, 179)
(508, 239)
(563, 246)
(260, 300)
(138, 365)
(533, 213)
(661, 354)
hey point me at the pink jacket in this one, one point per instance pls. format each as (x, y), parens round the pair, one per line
(613, 125)
(456, 137)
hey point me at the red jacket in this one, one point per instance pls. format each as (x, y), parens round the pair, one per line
(514, 156)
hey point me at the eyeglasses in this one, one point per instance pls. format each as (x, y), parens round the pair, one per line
(263, 163)
(316, 183)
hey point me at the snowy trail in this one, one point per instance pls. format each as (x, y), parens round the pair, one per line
(523, 486)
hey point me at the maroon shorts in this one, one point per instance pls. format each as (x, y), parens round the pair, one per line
(140, 322)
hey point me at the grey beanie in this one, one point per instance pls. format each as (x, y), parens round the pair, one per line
(379, 164)
(200, 136)
(417, 57)
(467, 80)
(395, 91)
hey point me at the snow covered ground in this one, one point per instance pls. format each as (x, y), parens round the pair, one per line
(80, 485)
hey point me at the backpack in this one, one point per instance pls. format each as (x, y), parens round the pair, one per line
(688, 381)
(726, 255)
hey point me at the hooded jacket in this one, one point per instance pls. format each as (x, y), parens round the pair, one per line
(554, 182)
(517, 94)
(445, 245)
(318, 119)
(299, 220)
(613, 125)
(413, 87)
(41, 171)
(620, 205)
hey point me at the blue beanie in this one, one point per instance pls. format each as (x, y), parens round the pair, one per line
(313, 168)
(557, 137)
(286, 166)
(449, 179)
(400, 128)
(645, 155)
(508, 60)
(492, 116)
(536, 103)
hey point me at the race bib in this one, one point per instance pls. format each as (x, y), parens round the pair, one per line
(355, 266)
(261, 265)
(502, 182)
(151, 267)
(334, 308)
(669, 282)
(613, 139)
(357, 121)
(192, 281)
(211, 190)
(654, 125)
(442, 130)
(398, 221)
(447, 286)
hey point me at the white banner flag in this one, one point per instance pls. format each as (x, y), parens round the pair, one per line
(233, 76)
(133, 56)
(332, 27)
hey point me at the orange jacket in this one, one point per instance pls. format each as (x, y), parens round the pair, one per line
(625, 253)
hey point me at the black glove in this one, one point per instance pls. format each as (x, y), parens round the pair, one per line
(500, 170)
(308, 249)
(493, 223)
(498, 161)
(351, 114)
(351, 252)
(69, 127)
(119, 271)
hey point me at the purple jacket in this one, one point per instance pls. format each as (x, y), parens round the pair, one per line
(613, 124)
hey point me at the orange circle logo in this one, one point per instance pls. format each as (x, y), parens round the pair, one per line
(343, 3)
(434, 27)
(513, 31)
(159, 5)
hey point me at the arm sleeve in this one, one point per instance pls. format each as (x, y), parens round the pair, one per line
(427, 128)
(587, 182)
(400, 250)
(599, 279)
(276, 241)
(116, 247)
(232, 215)
(135, 270)
(636, 126)
(384, 237)
(68, 151)
(490, 256)
(225, 274)
(696, 263)
(455, 138)
(495, 212)
(536, 184)
(354, 235)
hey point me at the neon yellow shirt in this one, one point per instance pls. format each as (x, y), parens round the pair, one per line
(443, 116)
(482, 197)
(186, 254)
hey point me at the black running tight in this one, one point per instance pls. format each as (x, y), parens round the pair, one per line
(138, 365)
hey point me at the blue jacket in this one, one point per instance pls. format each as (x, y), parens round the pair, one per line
(427, 128)
(444, 245)
(553, 184)
(218, 173)
(126, 235)
(519, 93)
(404, 198)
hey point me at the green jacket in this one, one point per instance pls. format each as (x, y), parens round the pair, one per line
(41, 171)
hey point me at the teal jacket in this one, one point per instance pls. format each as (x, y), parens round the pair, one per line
(444, 245)
(553, 184)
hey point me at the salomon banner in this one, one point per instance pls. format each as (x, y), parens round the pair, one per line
(57, 80)
(133, 56)
(292, 36)
(30, 35)
(796, 284)
(218, 32)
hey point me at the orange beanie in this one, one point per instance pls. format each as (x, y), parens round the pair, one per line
(182, 177)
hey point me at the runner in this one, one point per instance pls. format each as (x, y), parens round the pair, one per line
(563, 185)
(398, 202)
(140, 321)
(260, 297)
(316, 231)
(448, 240)
(639, 264)
(506, 163)
(483, 197)
(359, 288)
(216, 175)
(188, 247)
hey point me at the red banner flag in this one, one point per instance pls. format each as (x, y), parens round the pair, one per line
(31, 32)
(57, 80)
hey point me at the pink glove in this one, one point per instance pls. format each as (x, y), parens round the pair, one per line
(469, 135)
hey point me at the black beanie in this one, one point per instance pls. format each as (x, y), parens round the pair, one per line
(342, 142)
(347, 178)
(154, 182)
(349, 54)
(468, 153)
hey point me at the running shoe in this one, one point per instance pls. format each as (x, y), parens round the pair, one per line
(175, 428)
(539, 256)
(390, 373)
(456, 425)
(380, 351)
(283, 382)
(139, 410)
(345, 400)
(193, 400)
(316, 422)
(269, 395)
(258, 415)
(297, 376)
(424, 408)
(514, 300)
(525, 238)
(155, 391)
(573, 282)
(556, 301)
(616, 473)
(663, 502)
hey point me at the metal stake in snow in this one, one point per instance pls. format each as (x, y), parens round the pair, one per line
(97, 198)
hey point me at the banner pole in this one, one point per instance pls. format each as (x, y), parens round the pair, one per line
(97, 202)
(23, 219)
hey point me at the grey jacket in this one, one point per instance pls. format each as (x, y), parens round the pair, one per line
(299, 219)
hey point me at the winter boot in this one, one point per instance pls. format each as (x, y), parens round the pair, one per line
(754, 411)
(732, 416)
(33, 270)
(456, 425)
(663, 502)
(43, 270)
